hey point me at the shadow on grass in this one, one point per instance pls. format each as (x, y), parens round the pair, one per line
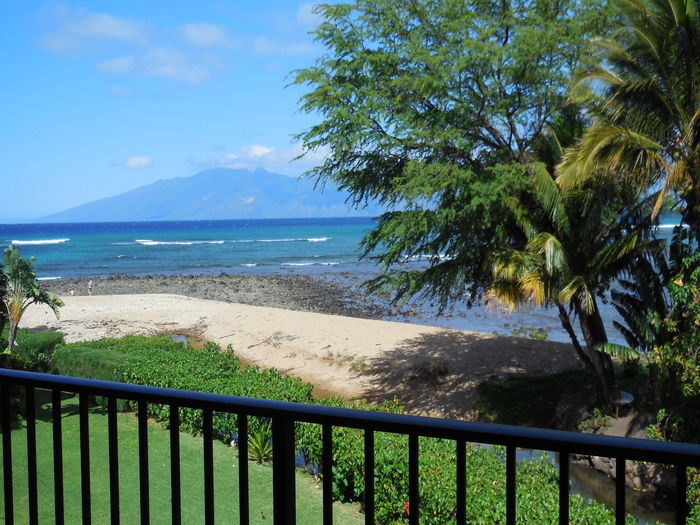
(552, 401)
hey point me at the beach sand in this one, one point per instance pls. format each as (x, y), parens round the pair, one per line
(430, 370)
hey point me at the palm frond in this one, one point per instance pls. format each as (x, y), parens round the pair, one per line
(549, 197)
(620, 351)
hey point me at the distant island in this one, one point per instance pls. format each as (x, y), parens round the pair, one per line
(217, 194)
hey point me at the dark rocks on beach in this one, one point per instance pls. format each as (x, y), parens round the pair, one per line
(292, 292)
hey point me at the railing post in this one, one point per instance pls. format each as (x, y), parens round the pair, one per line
(619, 491)
(31, 455)
(681, 488)
(563, 487)
(283, 490)
(7, 453)
(510, 485)
(369, 476)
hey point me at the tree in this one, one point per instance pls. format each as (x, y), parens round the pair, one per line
(432, 108)
(22, 290)
(578, 241)
(644, 98)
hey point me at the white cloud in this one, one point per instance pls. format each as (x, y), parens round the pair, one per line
(119, 65)
(134, 51)
(255, 151)
(306, 17)
(173, 64)
(207, 35)
(138, 161)
(252, 156)
(263, 45)
(80, 32)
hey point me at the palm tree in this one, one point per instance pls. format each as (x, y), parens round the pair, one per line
(643, 98)
(22, 290)
(578, 241)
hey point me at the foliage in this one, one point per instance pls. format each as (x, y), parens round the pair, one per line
(33, 351)
(37, 348)
(432, 108)
(577, 242)
(21, 290)
(642, 95)
(598, 422)
(159, 361)
(677, 361)
(260, 442)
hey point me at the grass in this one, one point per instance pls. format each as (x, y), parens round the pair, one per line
(532, 401)
(528, 401)
(309, 499)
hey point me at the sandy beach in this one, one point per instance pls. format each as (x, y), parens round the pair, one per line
(431, 370)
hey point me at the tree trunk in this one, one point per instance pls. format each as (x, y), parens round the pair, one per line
(594, 334)
(12, 335)
(566, 324)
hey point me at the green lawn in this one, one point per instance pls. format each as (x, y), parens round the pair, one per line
(309, 505)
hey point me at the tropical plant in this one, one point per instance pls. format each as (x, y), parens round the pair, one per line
(22, 290)
(260, 442)
(678, 359)
(643, 98)
(578, 241)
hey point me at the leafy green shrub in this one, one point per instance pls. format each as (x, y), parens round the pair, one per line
(87, 361)
(33, 350)
(162, 362)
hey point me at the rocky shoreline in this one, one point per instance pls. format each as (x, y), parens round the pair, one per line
(291, 292)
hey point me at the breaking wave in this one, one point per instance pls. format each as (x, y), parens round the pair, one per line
(148, 242)
(40, 241)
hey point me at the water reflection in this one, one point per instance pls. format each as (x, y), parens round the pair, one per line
(592, 484)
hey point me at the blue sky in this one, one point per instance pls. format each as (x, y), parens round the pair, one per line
(102, 97)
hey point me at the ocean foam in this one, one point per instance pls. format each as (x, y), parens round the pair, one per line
(249, 265)
(40, 241)
(48, 278)
(318, 239)
(278, 240)
(148, 242)
(327, 263)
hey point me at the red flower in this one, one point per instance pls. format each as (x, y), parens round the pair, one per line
(405, 506)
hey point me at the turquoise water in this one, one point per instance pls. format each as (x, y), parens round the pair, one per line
(187, 247)
(323, 247)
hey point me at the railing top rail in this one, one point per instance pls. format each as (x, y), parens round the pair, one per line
(524, 437)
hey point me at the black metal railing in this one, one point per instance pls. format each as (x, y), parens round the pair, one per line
(283, 416)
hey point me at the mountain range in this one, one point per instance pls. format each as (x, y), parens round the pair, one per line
(215, 194)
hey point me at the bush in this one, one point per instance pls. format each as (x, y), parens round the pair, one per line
(33, 350)
(162, 362)
(158, 361)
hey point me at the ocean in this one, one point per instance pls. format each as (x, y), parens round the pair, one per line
(78, 250)
(322, 247)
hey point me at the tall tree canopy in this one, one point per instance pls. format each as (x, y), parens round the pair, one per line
(433, 107)
(644, 98)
